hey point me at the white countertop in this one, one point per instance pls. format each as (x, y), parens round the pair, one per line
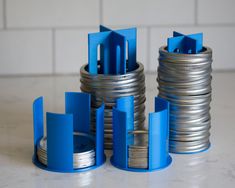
(214, 168)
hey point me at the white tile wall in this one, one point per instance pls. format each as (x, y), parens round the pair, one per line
(52, 13)
(1, 14)
(50, 36)
(71, 50)
(148, 12)
(216, 11)
(25, 52)
(142, 45)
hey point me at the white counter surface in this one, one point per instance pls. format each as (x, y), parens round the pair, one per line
(214, 168)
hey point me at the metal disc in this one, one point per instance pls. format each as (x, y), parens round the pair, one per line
(84, 150)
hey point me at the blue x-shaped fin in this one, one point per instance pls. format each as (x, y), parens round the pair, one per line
(112, 51)
(185, 44)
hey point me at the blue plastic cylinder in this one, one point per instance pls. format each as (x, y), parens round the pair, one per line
(158, 135)
(60, 129)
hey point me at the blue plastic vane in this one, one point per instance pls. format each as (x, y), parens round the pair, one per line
(112, 51)
(185, 44)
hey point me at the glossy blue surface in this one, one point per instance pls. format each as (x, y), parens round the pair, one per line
(59, 141)
(112, 51)
(158, 134)
(60, 130)
(185, 44)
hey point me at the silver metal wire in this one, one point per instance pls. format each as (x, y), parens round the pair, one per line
(138, 152)
(84, 151)
(107, 88)
(185, 81)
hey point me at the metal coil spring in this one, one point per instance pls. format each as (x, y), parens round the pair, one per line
(185, 81)
(107, 88)
(84, 153)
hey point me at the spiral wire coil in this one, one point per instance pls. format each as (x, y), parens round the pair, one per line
(185, 81)
(107, 88)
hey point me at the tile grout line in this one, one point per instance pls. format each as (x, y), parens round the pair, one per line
(4, 3)
(138, 26)
(148, 48)
(196, 12)
(53, 51)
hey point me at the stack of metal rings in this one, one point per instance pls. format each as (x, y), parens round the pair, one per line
(107, 88)
(185, 81)
(84, 151)
(138, 152)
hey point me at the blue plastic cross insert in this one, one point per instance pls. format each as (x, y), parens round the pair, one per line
(185, 44)
(112, 50)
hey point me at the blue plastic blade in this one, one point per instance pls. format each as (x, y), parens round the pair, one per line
(103, 28)
(100, 135)
(198, 38)
(94, 40)
(120, 146)
(186, 44)
(159, 134)
(126, 104)
(118, 55)
(79, 105)
(130, 35)
(59, 141)
(37, 121)
(123, 122)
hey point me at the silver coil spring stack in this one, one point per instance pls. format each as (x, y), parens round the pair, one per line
(185, 81)
(109, 88)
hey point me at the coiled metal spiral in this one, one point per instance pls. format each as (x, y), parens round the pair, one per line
(107, 88)
(185, 81)
(84, 151)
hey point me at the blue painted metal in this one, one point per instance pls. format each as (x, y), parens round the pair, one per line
(185, 44)
(123, 117)
(112, 51)
(60, 128)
